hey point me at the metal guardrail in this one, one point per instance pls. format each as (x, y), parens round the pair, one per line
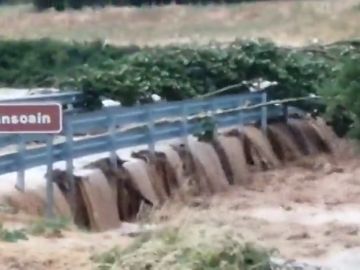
(154, 122)
(62, 98)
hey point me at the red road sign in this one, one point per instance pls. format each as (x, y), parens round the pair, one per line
(30, 118)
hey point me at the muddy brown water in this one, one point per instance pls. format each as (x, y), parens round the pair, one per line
(283, 142)
(300, 131)
(176, 164)
(298, 199)
(235, 158)
(141, 180)
(100, 200)
(260, 147)
(128, 197)
(105, 195)
(33, 201)
(208, 163)
(258, 152)
(80, 212)
(162, 175)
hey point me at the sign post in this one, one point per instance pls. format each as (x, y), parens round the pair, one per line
(32, 118)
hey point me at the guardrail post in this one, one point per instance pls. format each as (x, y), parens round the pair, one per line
(264, 111)
(241, 115)
(49, 178)
(21, 148)
(285, 112)
(150, 125)
(213, 115)
(112, 131)
(69, 160)
(184, 123)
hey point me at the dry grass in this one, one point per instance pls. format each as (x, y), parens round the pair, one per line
(292, 22)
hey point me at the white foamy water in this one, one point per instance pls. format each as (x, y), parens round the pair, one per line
(35, 177)
(348, 259)
(308, 216)
(345, 260)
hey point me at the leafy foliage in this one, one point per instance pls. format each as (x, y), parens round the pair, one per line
(49, 226)
(43, 4)
(207, 130)
(45, 227)
(192, 248)
(174, 72)
(12, 236)
(343, 93)
(128, 74)
(179, 72)
(34, 63)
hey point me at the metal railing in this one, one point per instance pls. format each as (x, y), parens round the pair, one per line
(64, 98)
(121, 127)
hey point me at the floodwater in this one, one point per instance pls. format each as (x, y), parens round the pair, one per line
(347, 259)
(309, 210)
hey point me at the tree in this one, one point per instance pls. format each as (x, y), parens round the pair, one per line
(59, 5)
(343, 96)
(76, 4)
(43, 4)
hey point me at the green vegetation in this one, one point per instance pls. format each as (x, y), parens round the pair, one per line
(49, 226)
(178, 72)
(7, 209)
(15, 2)
(198, 248)
(343, 93)
(43, 227)
(208, 128)
(12, 236)
(46, 63)
(173, 72)
(60, 5)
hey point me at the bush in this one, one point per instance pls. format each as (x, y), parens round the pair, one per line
(180, 72)
(208, 128)
(49, 227)
(47, 63)
(76, 4)
(129, 73)
(11, 236)
(59, 5)
(343, 94)
(43, 4)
